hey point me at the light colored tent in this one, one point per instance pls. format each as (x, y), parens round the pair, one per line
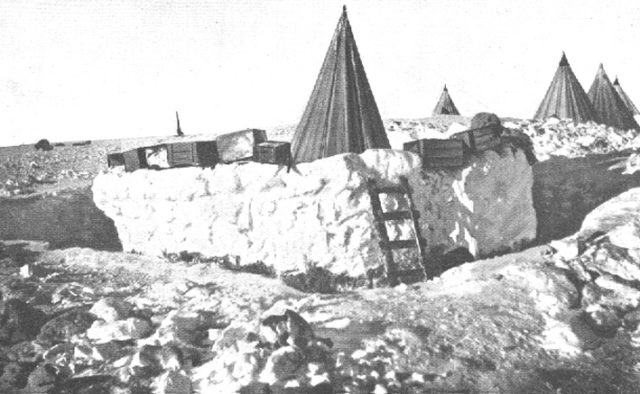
(627, 101)
(445, 104)
(565, 98)
(341, 115)
(610, 108)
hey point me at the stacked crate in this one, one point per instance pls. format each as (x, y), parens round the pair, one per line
(438, 153)
(239, 145)
(481, 139)
(273, 152)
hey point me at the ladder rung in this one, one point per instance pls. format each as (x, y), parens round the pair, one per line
(399, 215)
(390, 189)
(403, 244)
(412, 272)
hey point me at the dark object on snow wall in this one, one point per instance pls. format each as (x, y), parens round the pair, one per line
(485, 119)
(438, 153)
(43, 144)
(115, 159)
(81, 143)
(134, 159)
(341, 115)
(272, 152)
(178, 129)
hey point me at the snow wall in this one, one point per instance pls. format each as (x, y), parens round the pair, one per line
(319, 213)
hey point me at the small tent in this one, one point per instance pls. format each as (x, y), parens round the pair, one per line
(341, 115)
(565, 98)
(627, 101)
(610, 108)
(445, 105)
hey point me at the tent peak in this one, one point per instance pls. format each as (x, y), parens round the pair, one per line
(616, 81)
(563, 60)
(445, 88)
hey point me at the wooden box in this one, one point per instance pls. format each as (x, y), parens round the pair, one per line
(272, 152)
(239, 145)
(115, 159)
(478, 140)
(134, 159)
(438, 153)
(198, 153)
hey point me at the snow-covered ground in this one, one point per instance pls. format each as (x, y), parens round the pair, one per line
(560, 317)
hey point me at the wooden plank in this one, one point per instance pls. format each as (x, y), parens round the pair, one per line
(134, 159)
(389, 264)
(401, 244)
(413, 272)
(398, 215)
(389, 190)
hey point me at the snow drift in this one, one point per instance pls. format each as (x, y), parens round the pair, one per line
(319, 214)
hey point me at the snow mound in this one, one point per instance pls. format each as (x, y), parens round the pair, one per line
(556, 137)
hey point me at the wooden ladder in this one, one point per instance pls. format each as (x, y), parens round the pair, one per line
(388, 246)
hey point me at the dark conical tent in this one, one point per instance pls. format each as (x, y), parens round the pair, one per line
(341, 115)
(445, 105)
(627, 101)
(565, 98)
(609, 107)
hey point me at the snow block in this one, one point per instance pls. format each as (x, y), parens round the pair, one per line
(319, 214)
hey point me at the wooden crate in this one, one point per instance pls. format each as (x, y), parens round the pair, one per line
(197, 154)
(239, 145)
(438, 153)
(478, 140)
(115, 159)
(272, 152)
(134, 159)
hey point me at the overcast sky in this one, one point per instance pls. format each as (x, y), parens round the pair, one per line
(93, 69)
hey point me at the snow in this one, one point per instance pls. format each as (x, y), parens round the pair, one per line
(319, 213)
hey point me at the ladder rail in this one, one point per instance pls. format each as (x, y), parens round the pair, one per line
(389, 264)
(380, 219)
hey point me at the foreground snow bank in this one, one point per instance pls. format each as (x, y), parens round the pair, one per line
(318, 214)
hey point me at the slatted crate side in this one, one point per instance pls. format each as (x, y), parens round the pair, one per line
(115, 159)
(446, 155)
(438, 153)
(134, 159)
(481, 139)
(273, 152)
(207, 153)
(181, 154)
